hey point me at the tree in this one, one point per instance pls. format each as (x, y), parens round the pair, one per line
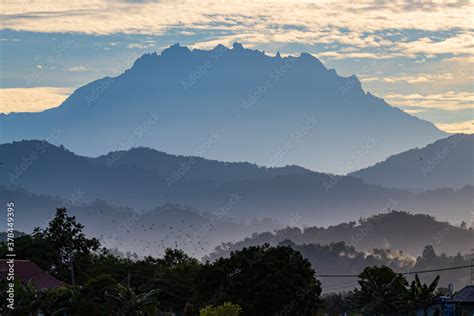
(381, 291)
(338, 303)
(422, 295)
(35, 249)
(428, 258)
(67, 239)
(27, 299)
(57, 301)
(99, 296)
(226, 309)
(126, 302)
(176, 257)
(189, 310)
(175, 275)
(263, 280)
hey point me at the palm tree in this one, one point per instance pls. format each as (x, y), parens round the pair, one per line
(422, 295)
(126, 302)
(100, 296)
(28, 299)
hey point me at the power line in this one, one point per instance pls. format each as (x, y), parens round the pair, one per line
(403, 273)
(337, 275)
(437, 270)
(338, 287)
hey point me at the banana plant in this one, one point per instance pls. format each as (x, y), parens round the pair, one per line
(423, 295)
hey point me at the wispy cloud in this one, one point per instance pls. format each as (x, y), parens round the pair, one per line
(458, 44)
(357, 55)
(435, 36)
(32, 99)
(420, 78)
(356, 24)
(141, 45)
(76, 68)
(450, 100)
(466, 127)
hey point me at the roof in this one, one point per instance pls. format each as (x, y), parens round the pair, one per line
(466, 295)
(27, 271)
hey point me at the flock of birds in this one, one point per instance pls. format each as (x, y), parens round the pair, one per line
(153, 239)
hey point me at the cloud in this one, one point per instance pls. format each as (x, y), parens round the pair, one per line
(101, 16)
(356, 24)
(77, 68)
(450, 100)
(355, 55)
(466, 127)
(414, 111)
(333, 30)
(459, 44)
(32, 99)
(143, 45)
(10, 40)
(421, 78)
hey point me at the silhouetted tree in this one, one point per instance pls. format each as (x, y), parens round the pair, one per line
(32, 248)
(27, 299)
(263, 280)
(67, 239)
(422, 295)
(338, 303)
(382, 291)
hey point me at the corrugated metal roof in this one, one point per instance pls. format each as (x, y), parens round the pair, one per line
(466, 295)
(27, 271)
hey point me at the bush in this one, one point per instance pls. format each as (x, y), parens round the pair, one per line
(226, 309)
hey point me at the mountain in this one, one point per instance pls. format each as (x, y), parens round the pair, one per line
(345, 248)
(142, 231)
(232, 105)
(401, 240)
(192, 167)
(394, 230)
(341, 258)
(146, 178)
(447, 163)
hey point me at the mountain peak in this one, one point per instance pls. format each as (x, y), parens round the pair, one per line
(220, 47)
(237, 46)
(192, 90)
(145, 60)
(444, 163)
(310, 59)
(176, 50)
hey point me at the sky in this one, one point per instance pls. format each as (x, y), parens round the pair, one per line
(417, 55)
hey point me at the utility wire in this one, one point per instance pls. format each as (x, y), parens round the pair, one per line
(403, 273)
(334, 275)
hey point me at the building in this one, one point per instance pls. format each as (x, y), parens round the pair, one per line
(26, 271)
(462, 302)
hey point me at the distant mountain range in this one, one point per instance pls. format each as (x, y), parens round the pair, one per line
(401, 240)
(175, 167)
(144, 179)
(394, 230)
(232, 105)
(447, 163)
(142, 231)
(343, 248)
(133, 229)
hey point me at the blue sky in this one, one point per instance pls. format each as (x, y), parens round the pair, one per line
(417, 56)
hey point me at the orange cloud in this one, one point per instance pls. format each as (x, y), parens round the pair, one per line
(32, 99)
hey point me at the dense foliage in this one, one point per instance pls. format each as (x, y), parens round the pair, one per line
(256, 280)
(381, 291)
(263, 280)
(250, 282)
